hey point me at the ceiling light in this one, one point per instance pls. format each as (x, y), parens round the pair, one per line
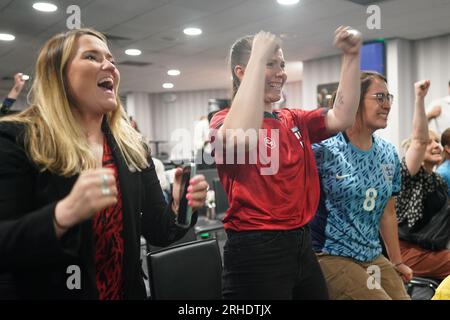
(45, 7)
(173, 72)
(6, 37)
(287, 2)
(192, 31)
(133, 52)
(167, 85)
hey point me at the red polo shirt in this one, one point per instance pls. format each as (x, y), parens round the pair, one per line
(266, 195)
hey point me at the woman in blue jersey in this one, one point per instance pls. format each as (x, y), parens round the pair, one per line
(360, 175)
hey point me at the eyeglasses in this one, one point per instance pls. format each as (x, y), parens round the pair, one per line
(383, 97)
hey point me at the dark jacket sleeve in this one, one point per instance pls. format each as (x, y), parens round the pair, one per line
(158, 219)
(27, 235)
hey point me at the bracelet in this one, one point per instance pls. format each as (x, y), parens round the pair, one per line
(397, 264)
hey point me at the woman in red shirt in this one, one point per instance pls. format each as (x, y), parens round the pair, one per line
(272, 183)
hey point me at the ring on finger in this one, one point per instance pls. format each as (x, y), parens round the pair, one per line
(105, 179)
(106, 191)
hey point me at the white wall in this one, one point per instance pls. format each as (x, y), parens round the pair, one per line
(401, 78)
(432, 61)
(315, 72)
(294, 94)
(159, 115)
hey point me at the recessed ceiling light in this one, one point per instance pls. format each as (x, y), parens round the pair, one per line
(133, 52)
(167, 85)
(287, 2)
(6, 37)
(192, 31)
(173, 72)
(45, 7)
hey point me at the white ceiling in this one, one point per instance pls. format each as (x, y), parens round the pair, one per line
(155, 27)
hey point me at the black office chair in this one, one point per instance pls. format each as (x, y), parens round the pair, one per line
(188, 237)
(189, 271)
(421, 288)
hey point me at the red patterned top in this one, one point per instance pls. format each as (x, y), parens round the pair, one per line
(107, 227)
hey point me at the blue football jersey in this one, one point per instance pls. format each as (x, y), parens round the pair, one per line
(355, 188)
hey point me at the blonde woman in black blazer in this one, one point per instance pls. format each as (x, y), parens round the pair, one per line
(76, 189)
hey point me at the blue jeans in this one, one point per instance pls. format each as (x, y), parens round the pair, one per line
(272, 265)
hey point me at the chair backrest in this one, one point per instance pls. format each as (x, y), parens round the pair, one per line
(188, 237)
(221, 197)
(189, 271)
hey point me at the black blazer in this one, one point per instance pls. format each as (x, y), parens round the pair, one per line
(33, 262)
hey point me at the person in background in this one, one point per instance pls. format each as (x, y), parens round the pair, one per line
(77, 188)
(268, 252)
(438, 113)
(423, 192)
(134, 124)
(444, 168)
(360, 177)
(13, 94)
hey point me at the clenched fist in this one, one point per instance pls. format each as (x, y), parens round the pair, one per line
(348, 40)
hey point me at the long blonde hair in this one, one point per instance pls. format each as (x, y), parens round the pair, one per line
(54, 139)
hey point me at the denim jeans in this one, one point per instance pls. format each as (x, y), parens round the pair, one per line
(272, 265)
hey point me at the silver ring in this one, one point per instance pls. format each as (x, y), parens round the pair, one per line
(106, 191)
(105, 180)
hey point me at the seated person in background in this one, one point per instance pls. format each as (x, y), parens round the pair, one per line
(418, 195)
(438, 113)
(13, 94)
(444, 168)
(77, 188)
(360, 176)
